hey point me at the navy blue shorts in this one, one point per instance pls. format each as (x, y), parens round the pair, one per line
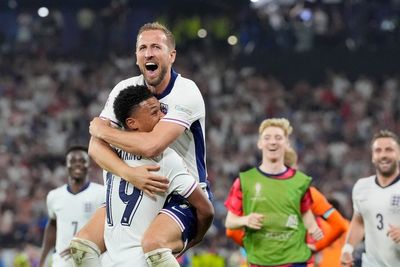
(180, 210)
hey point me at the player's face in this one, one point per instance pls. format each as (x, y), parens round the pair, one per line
(273, 143)
(146, 116)
(78, 164)
(154, 57)
(385, 156)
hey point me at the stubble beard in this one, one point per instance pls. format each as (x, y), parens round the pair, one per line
(387, 173)
(155, 82)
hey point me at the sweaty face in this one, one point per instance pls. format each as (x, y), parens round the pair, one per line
(154, 57)
(273, 143)
(146, 116)
(385, 156)
(78, 164)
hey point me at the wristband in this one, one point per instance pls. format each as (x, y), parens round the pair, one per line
(347, 248)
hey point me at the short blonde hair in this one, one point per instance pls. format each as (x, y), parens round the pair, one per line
(158, 26)
(282, 123)
(290, 158)
(385, 134)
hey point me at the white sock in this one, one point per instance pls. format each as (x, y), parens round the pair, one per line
(161, 257)
(85, 253)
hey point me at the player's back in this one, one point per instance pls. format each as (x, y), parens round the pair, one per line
(130, 211)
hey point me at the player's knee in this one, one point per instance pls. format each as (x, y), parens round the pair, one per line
(84, 252)
(161, 257)
(152, 243)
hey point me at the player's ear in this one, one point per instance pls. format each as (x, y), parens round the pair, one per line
(131, 123)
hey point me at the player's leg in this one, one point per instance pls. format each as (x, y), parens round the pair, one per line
(161, 239)
(88, 244)
(169, 233)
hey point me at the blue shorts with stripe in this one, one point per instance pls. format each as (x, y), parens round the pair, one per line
(180, 210)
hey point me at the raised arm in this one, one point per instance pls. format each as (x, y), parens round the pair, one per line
(141, 177)
(49, 240)
(147, 144)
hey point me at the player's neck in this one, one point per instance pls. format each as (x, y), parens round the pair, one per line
(273, 167)
(386, 180)
(162, 86)
(76, 185)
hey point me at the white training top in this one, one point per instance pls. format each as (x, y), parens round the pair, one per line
(379, 208)
(130, 211)
(72, 211)
(183, 104)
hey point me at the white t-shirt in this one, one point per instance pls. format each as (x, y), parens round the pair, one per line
(379, 208)
(71, 211)
(130, 211)
(183, 104)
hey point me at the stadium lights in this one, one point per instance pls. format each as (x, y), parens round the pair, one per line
(43, 12)
(202, 33)
(232, 40)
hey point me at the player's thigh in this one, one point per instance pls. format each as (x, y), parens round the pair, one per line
(163, 232)
(94, 229)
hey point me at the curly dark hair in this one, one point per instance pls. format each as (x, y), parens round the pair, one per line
(128, 100)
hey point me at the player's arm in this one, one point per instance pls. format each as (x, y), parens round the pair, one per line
(354, 236)
(311, 225)
(147, 144)
(49, 240)
(337, 224)
(141, 177)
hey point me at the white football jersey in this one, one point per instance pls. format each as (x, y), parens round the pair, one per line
(72, 211)
(379, 208)
(130, 211)
(183, 104)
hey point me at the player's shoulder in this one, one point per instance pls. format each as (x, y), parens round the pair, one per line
(128, 82)
(96, 186)
(185, 85)
(365, 181)
(364, 185)
(57, 192)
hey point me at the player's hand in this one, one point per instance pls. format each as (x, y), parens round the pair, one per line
(312, 247)
(316, 233)
(347, 259)
(254, 221)
(394, 233)
(144, 179)
(66, 254)
(98, 126)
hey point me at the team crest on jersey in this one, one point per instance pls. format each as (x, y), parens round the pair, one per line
(88, 207)
(395, 203)
(164, 108)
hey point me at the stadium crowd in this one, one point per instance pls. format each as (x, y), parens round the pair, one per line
(47, 103)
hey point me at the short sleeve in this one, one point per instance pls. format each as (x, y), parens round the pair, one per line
(234, 200)
(50, 205)
(186, 105)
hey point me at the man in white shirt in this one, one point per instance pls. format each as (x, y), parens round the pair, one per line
(69, 207)
(182, 129)
(376, 204)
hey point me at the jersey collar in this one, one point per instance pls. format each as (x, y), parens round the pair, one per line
(83, 188)
(169, 86)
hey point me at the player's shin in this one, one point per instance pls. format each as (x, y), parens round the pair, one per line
(84, 253)
(161, 257)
